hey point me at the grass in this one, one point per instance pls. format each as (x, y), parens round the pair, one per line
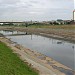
(11, 64)
(70, 27)
(53, 26)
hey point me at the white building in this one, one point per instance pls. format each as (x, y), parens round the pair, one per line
(74, 15)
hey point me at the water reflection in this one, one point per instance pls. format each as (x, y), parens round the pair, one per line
(59, 50)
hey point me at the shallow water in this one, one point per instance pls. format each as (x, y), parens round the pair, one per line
(59, 50)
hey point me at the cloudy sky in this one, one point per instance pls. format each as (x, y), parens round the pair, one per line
(25, 10)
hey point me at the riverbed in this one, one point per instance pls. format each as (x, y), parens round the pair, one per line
(59, 50)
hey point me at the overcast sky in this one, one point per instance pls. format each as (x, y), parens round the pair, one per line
(22, 10)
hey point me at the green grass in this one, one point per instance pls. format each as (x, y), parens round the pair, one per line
(53, 26)
(11, 64)
(70, 27)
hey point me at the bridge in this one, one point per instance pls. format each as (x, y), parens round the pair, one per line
(12, 22)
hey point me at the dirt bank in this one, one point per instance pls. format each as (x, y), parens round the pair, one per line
(62, 34)
(44, 64)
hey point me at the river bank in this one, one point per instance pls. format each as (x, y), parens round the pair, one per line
(11, 64)
(44, 64)
(61, 34)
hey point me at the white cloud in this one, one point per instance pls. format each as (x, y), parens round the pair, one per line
(35, 9)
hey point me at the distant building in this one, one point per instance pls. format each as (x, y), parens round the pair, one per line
(74, 15)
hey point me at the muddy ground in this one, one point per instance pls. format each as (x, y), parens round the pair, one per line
(62, 34)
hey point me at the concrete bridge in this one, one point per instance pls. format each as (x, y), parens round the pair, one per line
(11, 22)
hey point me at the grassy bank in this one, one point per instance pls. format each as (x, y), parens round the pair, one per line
(53, 26)
(10, 63)
(70, 27)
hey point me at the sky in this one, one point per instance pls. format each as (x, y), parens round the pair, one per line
(36, 10)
